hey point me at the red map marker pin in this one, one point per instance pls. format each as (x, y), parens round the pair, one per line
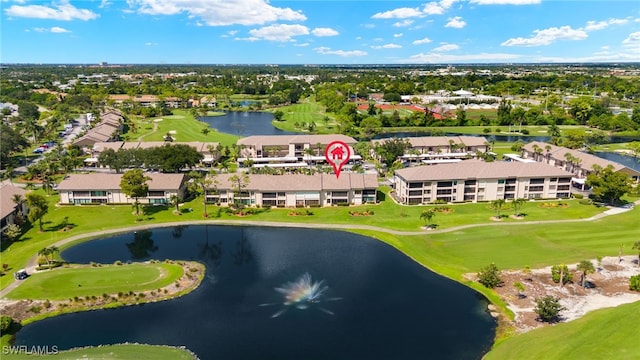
(337, 154)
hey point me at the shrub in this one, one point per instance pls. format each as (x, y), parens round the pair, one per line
(634, 283)
(36, 309)
(486, 130)
(585, 202)
(489, 276)
(6, 324)
(47, 304)
(548, 308)
(118, 262)
(566, 275)
(578, 196)
(525, 131)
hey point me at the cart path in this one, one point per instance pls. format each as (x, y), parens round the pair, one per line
(32, 262)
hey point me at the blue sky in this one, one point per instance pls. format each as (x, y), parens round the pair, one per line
(319, 32)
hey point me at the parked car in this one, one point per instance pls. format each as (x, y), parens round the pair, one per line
(39, 150)
(21, 274)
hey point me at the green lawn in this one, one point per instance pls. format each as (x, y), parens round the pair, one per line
(115, 352)
(183, 127)
(91, 218)
(305, 112)
(65, 283)
(603, 334)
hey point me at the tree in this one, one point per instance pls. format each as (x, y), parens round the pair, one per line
(175, 201)
(427, 215)
(38, 208)
(277, 115)
(489, 276)
(134, 185)
(12, 232)
(201, 184)
(561, 272)
(586, 267)
(390, 149)
(608, 185)
(634, 146)
(517, 205)
(636, 246)
(239, 183)
(497, 206)
(634, 283)
(48, 254)
(548, 308)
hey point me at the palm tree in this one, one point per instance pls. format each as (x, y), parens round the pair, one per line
(548, 149)
(586, 267)
(497, 206)
(309, 152)
(427, 215)
(48, 254)
(175, 201)
(517, 205)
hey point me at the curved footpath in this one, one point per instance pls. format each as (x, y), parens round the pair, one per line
(32, 262)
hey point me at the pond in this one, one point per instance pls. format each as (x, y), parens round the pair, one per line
(369, 301)
(246, 123)
(626, 160)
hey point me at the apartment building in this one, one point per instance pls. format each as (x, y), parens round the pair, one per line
(296, 190)
(475, 180)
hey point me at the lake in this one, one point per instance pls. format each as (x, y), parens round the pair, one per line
(244, 123)
(369, 300)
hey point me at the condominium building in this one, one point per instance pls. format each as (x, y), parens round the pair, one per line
(295, 190)
(100, 188)
(289, 150)
(475, 180)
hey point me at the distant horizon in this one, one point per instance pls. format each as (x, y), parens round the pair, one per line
(108, 64)
(371, 32)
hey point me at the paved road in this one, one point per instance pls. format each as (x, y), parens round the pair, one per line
(32, 262)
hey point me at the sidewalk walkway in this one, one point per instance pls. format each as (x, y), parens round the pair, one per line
(32, 262)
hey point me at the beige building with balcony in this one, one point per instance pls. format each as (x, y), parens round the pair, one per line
(296, 190)
(99, 188)
(475, 180)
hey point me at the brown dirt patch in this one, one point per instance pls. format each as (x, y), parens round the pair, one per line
(610, 288)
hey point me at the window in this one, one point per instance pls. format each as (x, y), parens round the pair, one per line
(510, 188)
(415, 185)
(564, 180)
(444, 192)
(445, 183)
(415, 193)
(564, 187)
(553, 179)
(339, 194)
(536, 181)
(470, 182)
(98, 193)
(536, 188)
(156, 193)
(500, 181)
(269, 195)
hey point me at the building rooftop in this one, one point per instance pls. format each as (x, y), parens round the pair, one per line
(476, 169)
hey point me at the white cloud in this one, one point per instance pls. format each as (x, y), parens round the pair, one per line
(104, 4)
(456, 22)
(632, 43)
(386, 46)
(548, 36)
(398, 35)
(55, 30)
(150, 44)
(301, 44)
(446, 47)
(324, 32)
(433, 8)
(280, 32)
(505, 2)
(220, 12)
(403, 23)
(599, 25)
(400, 13)
(60, 11)
(343, 53)
(422, 41)
(438, 58)
(59, 30)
